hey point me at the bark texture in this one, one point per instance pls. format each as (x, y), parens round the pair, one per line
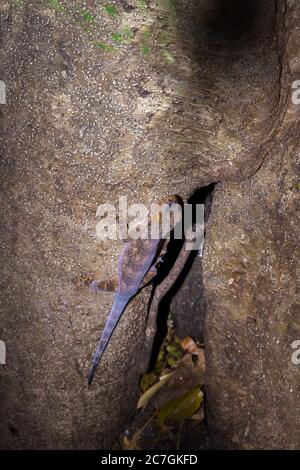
(200, 94)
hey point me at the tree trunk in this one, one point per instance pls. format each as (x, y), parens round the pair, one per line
(143, 103)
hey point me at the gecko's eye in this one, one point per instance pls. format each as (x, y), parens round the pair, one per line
(174, 199)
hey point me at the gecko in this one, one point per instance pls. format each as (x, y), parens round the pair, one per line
(136, 260)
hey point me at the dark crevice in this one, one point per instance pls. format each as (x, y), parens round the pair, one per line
(222, 28)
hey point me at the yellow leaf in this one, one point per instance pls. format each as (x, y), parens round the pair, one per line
(181, 408)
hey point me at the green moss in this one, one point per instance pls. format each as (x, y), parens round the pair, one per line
(111, 10)
(18, 3)
(127, 33)
(146, 33)
(88, 17)
(164, 37)
(103, 46)
(117, 37)
(56, 5)
(87, 22)
(145, 49)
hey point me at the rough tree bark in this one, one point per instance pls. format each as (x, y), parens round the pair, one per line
(167, 113)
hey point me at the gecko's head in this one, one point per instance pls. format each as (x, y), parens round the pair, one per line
(167, 214)
(172, 199)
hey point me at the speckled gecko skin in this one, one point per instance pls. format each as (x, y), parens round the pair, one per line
(135, 261)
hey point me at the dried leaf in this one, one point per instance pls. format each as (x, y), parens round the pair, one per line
(130, 445)
(186, 375)
(144, 399)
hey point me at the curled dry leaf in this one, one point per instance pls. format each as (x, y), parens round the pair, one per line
(187, 374)
(144, 399)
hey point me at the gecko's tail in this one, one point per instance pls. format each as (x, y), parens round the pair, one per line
(117, 309)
